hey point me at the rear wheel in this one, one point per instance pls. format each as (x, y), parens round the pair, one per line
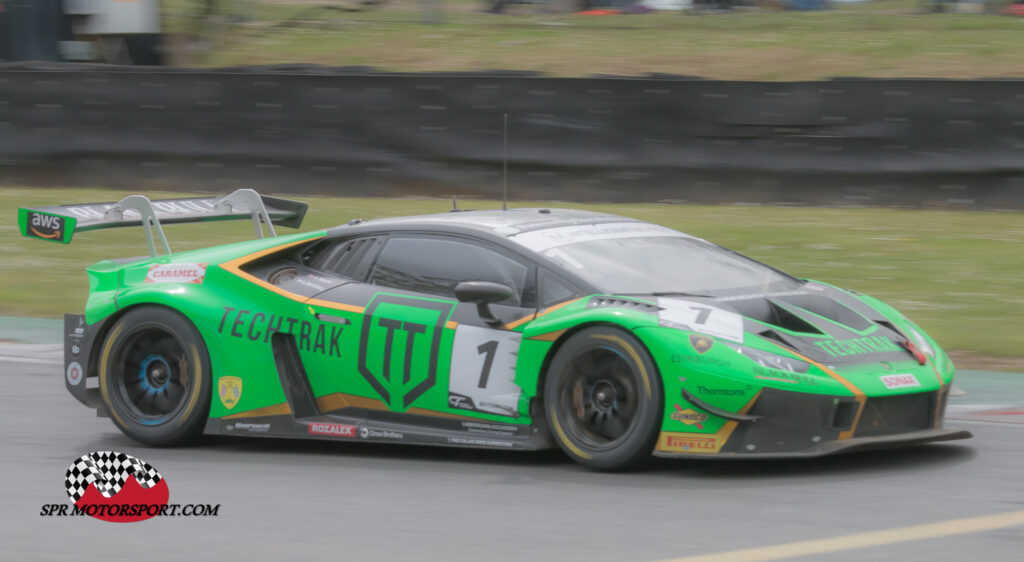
(603, 399)
(155, 377)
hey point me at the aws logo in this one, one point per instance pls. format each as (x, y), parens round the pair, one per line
(49, 227)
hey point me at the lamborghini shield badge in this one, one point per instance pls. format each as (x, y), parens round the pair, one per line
(701, 344)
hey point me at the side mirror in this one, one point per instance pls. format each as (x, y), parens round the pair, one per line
(483, 293)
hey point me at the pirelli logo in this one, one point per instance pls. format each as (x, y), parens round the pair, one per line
(672, 442)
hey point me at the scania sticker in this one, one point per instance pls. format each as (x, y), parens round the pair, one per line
(74, 373)
(176, 273)
(229, 390)
(335, 429)
(689, 416)
(899, 381)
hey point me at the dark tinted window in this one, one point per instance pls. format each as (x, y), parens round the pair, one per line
(435, 265)
(343, 258)
(554, 290)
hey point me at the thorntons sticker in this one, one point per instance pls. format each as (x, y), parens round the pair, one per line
(899, 381)
(176, 273)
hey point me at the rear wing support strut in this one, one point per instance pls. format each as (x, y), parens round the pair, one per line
(252, 200)
(144, 207)
(243, 198)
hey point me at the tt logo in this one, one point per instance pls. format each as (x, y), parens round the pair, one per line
(399, 346)
(410, 329)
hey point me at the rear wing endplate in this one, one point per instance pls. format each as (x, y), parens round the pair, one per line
(58, 223)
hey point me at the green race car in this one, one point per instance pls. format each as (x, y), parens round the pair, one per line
(611, 338)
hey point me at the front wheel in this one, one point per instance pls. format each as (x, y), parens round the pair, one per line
(155, 377)
(603, 399)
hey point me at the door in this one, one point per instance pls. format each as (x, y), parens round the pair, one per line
(420, 348)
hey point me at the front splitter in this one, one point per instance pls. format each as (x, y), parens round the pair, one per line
(837, 447)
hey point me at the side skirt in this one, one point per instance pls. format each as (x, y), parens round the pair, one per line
(306, 421)
(410, 429)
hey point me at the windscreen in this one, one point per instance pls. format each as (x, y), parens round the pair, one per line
(642, 258)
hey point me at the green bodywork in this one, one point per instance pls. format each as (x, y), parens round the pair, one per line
(234, 317)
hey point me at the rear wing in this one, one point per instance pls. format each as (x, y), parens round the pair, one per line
(58, 223)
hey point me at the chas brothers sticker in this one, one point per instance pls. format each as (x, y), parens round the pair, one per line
(176, 273)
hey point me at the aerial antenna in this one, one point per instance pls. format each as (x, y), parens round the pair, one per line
(504, 169)
(455, 206)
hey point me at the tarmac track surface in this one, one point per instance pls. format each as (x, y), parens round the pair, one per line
(290, 500)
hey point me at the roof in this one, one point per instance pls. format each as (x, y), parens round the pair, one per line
(503, 223)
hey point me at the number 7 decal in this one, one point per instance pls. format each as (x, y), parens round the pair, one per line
(702, 314)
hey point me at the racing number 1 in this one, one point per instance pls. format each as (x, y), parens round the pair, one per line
(489, 348)
(482, 372)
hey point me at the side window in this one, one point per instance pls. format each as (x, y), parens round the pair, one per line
(554, 290)
(436, 265)
(343, 258)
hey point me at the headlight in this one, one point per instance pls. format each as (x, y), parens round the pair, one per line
(772, 360)
(920, 342)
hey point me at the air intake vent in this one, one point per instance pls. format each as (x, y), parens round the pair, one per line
(766, 311)
(601, 302)
(891, 326)
(789, 321)
(824, 306)
(774, 336)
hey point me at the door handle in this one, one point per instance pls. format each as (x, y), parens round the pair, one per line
(333, 319)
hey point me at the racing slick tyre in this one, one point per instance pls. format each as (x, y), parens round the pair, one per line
(154, 375)
(603, 399)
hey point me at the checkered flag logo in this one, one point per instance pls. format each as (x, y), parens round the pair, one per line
(108, 471)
